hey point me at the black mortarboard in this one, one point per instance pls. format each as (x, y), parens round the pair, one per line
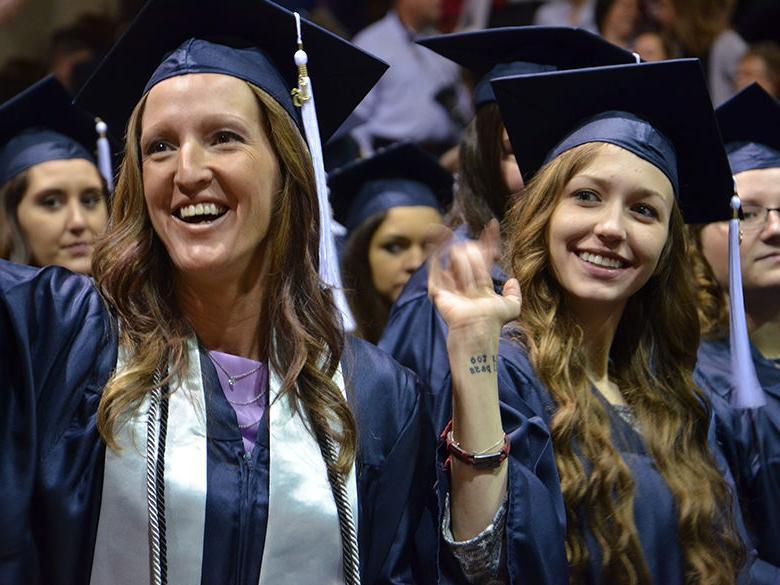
(402, 175)
(518, 50)
(659, 111)
(176, 37)
(750, 126)
(41, 124)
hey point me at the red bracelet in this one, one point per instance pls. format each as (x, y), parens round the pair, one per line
(478, 460)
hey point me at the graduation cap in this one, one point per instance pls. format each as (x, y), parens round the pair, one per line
(518, 50)
(41, 124)
(253, 40)
(659, 111)
(257, 41)
(402, 175)
(750, 126)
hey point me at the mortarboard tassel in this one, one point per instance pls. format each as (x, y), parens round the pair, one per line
(104, 154)
(303, 97)
(747, 390)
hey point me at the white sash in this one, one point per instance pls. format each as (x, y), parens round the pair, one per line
(303, 542)
(122, 545)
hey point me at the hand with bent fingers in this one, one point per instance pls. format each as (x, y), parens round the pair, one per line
(463, 290)
(464, 296)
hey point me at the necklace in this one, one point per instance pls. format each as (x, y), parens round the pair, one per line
(232, 379)
(248, 402)
(249, 425)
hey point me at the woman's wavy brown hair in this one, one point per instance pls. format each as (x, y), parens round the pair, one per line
(133, 272)
(652, 360)
(711, 300)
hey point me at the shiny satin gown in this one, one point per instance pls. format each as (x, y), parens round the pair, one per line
(58, 347)
(750, 441)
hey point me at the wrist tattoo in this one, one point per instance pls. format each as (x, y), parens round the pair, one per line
(483, 364)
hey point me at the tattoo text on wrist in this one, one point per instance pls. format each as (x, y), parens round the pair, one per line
(483, 364)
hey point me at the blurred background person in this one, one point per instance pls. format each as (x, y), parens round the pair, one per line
(17, 75)
(392, 206)
(421, 98)
(652, 45)
(579, 13)
(52, 197)
(74, 51)
(761, 64)
(702, 28)
(617, 20)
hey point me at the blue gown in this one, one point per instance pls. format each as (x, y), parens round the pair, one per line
(750, 441)
(536, 517)
(58, 347)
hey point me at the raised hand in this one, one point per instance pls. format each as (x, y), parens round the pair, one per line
(461, 288)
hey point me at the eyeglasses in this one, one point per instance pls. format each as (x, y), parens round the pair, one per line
(755, 217)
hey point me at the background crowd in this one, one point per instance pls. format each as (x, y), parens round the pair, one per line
(737, 39)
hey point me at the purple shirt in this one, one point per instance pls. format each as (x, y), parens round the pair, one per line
(248, 394)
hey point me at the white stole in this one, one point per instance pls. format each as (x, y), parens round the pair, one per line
(303, 540)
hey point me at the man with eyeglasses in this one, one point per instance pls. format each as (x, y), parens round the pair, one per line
(750, 126)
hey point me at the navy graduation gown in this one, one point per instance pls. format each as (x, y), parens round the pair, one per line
(536, 517)
(58, 347)
(750, 441)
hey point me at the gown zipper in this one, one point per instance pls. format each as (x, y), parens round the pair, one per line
(245, 513)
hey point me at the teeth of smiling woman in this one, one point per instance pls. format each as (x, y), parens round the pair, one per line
(201, 209)
(601, 260)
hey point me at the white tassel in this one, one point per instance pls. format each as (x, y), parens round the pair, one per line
(748, 392)
(303, 97)
(104, 154)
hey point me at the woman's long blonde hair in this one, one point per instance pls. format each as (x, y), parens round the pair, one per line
(133, 272)
(653, 355)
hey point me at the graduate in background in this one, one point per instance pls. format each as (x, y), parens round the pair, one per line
(489, 180)
(196, 414)
(52, 196)
(750, 126)
(391, 205)
(593, 385)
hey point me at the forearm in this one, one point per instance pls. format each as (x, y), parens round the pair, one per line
(477, 494)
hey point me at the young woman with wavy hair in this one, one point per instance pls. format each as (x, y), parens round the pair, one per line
(196, 414)
(592, 386)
